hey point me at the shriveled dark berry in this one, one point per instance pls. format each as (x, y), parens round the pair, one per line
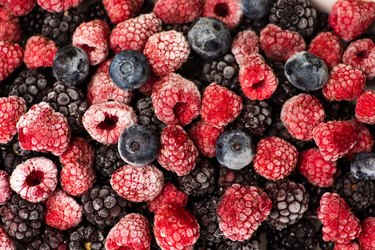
(32, 23)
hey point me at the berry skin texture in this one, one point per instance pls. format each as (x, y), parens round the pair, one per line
(214, 112)
(11, 55)
(58, 6)
(169, 195)
(328, 47)
(10, 29)
(344, 84)
(19, 7)
(5, 241)
(339, 223)
(241, 210)
(227, 11)
(300, 114)
(44, 130)
(5, 190)
(121, 10)
(11, 109)
(365, 141)
(166, 52)
(105, 121)
(178, 11)
(245, 43)
(78, 152)
(39, 52)
(177, 152)
(275, 158)
(279, 44)
(364, 109)
(176, 100)
(175, 228)
(348, 246)
(131, 232)
(367, 237)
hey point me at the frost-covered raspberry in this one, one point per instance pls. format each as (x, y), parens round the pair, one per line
(58, 6)
(11, 55)
(39, 52)
(169, 195)
(11, 109)
(365, 141)
(10, 29)
(367, 237)
(328, 47)
(5, 190)
(5, 241)
(121, 10)
(178, 11)
(365, 109)
(245, 43)
(229, 12)
(19, 7)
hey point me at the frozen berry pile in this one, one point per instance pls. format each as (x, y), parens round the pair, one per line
(186, 124)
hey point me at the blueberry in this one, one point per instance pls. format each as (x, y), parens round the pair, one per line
(209, 38)
(137, 145)
(256, 9)
(71, 65)
(363, 166)
(234, 149)
(129, 69)
(306, 71)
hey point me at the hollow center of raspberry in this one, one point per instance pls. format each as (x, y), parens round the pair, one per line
(87, 48)
(221, 9)
(363, 54)
(258, 85)
(180, 108)
(108, 123)
(34, 178)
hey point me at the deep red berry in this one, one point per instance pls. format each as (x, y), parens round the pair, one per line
(121, 10)
(79, 152)
(367, 237)
(346, 246)
(178, 11)
(365, 141)
(19, 7)
(365, 109)
(169, 195)
(245, 43)
(39, 52)
(58, 6)
(328, 47)
(11, 55)
(5, 190)
(5, 241)
(227, 11)
(11, 109)
(10, 29)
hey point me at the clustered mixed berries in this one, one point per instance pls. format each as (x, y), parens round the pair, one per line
(186, 124)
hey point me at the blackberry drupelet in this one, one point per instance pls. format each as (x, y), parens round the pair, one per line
(96, 10)
(32, 23)
(147, 117)
(107, 159)
(51, 239)
(251, 244)
(87, 238)
(182, 28)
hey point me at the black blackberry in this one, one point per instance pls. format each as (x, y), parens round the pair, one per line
(96, 10)
(22, 219)
(51, 239)
(107, 159)
(32, 23)
(295, 15)
(182, 28)
(69, 101)
(251, 244)
(60, 26)
(146, 115)
(87, 238)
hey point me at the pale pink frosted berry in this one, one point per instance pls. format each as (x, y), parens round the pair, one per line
(5, 190)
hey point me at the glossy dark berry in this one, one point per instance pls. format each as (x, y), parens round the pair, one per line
(256, 9)
(363, 166)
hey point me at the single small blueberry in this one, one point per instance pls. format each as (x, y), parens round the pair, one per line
(363, 166)
(256, 9)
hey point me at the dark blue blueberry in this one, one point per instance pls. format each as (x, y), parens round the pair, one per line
(209, 38)
(235, 149)
(306, 71)
(256, 9)
(137, 145)
(71, 65)
(129, 69)
(363, 166)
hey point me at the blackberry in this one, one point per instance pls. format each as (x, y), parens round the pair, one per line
(182, 28)
(69, 101)
(51, 239)
(32, 23)
(295, 15)
(96, 10)
(107, 159)
(146, 115)
(251, 244)
(87, 238)
(22, 219)
(289, 201)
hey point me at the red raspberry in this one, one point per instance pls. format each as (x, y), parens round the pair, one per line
(5, 241)
(166, 52)
(335, 138)
(169, 195)
(19, 7)
(131, 232)
(204, 135)
(328, 47)
(227, 11)
(39, 52)
(92, 37)
(121, 10)
(367, 237)
(349, 246)
(138, 184)
(257, 80)
(339, 223)
(175, 228)
(365, 109)
(42, 129)
(105, 121)
(5, 190)
(361, 55)
(344, 84)
(79, 152)
(279, 44)
(62, 211)
(275, 158)
(178, 11)
(133, 34)
(241, 210)
(245, 43)
(317, 171)
(220, 106)
(11, 55)
(176, 100)
(11, 109)
(35, 179)
(177, 152)
(10, 29)
(365, 141)
(58, 6)
(350, 18)
(300, 114)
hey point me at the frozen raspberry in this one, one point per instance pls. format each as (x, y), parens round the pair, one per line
(339, 223)
(42, 129)
(176, 100)
(361, 55)
(328, 47)
(19, 7)
(11, 55)
(11, 109)
(5, 241)
(137, 184)
(35, 179)
(62, 211)
(121, 10)
(245, 43)
(300, 114)
(335, 138)
(39, 52)
(175, 228)
(350, 18)
(133, 34)
(169, 195)
(365, 141)
(58, 6)
(365, 109)
(79, 152)
(178, 11)
(105, 121)
(367, 237)
(5, 190)
(257, 80)
(241, 210)
(166, 52)
(344, 84)
(348, 246)
(131, 232)
(279, 44)
(10, 29)
(227, 11)
(317, 171)
(220, 106)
